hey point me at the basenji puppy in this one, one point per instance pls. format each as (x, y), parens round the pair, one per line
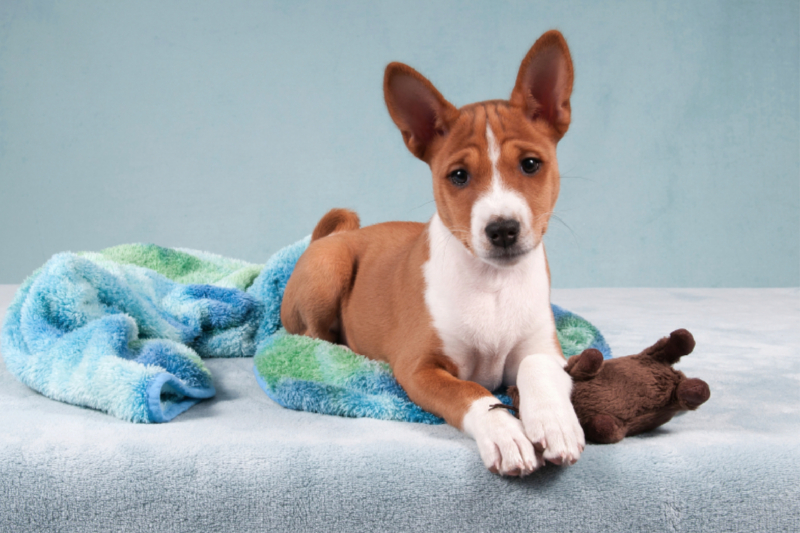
(460, 306)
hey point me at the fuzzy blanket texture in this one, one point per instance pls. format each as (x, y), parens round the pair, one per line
(124, 331)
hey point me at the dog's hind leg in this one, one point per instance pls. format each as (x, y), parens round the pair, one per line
(313, 297)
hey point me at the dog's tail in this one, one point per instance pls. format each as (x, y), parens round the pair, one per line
(334, 221)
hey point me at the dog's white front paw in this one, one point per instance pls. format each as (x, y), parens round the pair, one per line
(501, 439)
(556, 429)
(546, 409)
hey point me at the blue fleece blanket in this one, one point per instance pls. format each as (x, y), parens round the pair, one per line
(124, 330)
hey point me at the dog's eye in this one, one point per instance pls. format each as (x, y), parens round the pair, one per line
(530, 165)
(459, 177)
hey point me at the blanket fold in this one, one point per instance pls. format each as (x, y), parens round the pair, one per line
(111, 332)
(124, 331)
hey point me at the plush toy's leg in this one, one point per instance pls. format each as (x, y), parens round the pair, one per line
(670, 349)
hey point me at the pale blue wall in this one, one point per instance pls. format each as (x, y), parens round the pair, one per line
(233, 126)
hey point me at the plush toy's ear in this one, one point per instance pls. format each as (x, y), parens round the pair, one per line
(416, 107)
(585, 365)
(544, 82)
(692, 393)
(604, 429)
(670, 349)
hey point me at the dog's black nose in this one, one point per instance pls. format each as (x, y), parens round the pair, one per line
(503, 233)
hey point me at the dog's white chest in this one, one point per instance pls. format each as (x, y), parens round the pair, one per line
(483, 313)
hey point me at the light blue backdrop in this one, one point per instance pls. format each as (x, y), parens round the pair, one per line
(233, 126)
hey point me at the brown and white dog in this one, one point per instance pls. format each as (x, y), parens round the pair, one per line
(461, 305)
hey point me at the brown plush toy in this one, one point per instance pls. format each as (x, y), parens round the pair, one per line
(629, 395)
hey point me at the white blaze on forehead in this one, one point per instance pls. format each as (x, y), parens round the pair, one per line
(499, 202)
(494, 151)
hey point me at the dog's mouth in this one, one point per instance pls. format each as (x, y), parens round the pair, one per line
(506, 256)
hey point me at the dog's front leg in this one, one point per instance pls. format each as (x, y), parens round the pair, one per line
(502, 443)
(546, 408)
(501, 439)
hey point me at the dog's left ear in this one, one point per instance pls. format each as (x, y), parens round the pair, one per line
(544, 82)
(417, 107)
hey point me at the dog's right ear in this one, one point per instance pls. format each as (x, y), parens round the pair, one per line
(418, 109)
(544, 82)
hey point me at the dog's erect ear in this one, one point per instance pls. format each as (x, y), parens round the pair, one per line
(544, 82)
(418, 109)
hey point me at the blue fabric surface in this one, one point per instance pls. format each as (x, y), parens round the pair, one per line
(123, 339)
(127, 340)
(364, 389)
(336, 381)
(240, 462)
(268, 287)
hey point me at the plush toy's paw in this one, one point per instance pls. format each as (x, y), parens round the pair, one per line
(554, 428)
(691, 393)
(604, 429)
(501, 441)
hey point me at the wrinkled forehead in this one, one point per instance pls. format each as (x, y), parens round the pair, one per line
(478, 123)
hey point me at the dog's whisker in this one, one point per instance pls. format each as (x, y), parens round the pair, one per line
(574, 235)
(422, 205)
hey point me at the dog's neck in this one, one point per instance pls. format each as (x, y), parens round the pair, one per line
(484, 313)
(448, 251)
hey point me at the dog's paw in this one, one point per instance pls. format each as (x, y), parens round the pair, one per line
(555, 429)
(501, 440)
(546, 410)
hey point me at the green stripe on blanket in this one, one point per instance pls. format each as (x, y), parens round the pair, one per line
(182, 265)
